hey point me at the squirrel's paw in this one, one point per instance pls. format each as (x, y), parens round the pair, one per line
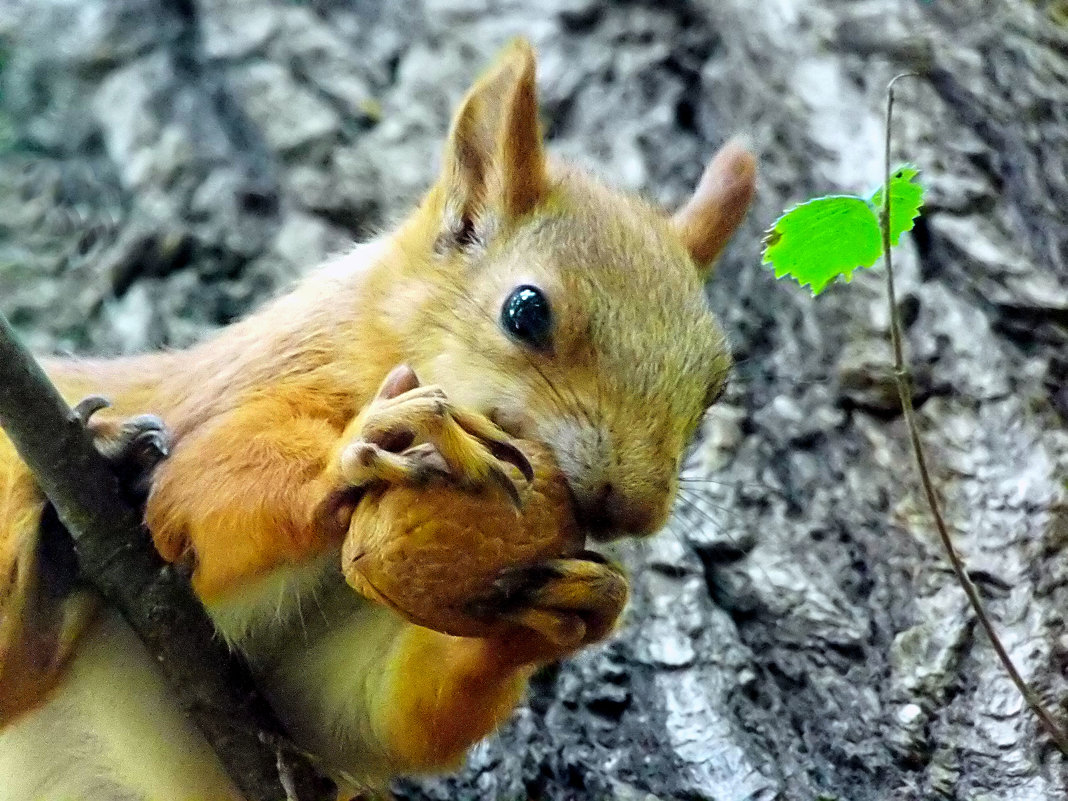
(557, 606)
(410, 432)
(133, 446)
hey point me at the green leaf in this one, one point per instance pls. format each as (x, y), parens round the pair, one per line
(824, 238)
(830, 237)
(906, 198)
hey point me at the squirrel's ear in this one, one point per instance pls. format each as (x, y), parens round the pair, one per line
(708, 219)
(494, 165)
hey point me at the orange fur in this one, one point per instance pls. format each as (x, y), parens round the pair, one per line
(28, 638)
(261, 412)
(434, 715)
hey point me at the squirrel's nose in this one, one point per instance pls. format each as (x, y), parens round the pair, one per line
(607, 513)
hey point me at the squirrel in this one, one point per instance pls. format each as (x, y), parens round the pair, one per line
(520, 299)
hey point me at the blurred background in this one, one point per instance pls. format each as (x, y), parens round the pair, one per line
(165, 165)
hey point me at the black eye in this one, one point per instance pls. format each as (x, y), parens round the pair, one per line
(526, 316)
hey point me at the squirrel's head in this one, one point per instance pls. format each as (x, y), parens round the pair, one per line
(567, 312)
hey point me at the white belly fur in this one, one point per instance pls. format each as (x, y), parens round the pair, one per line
(113, 731)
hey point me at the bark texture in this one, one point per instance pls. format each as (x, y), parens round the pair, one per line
(796, 634)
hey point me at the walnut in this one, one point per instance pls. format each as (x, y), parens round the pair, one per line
(432, 552)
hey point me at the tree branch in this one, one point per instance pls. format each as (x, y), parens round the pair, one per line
(117, 556)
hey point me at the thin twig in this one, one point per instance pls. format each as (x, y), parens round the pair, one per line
(117, 556)
(901, 375)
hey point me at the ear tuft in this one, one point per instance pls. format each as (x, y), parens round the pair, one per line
(524, 154)
(718, 205)
(494, 166)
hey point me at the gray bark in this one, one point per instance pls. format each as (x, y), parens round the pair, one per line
(796, 634)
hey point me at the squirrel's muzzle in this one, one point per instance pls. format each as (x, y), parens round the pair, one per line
(608, 512)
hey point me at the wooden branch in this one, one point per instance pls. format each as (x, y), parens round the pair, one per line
(117, 556)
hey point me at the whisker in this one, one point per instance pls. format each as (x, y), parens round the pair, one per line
(740, 548)
(708, 480)
(318, 605)
(745, 376)
(691, 504)
(695, 497)
(671, 530)
(300, 611)
(697, 484)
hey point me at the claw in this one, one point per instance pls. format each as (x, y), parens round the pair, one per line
(151, 440)
(569, 602)
(495, 440)
(90, 405)
(507, 452)
(515, 587)
(401, 379)
(562, 630)
(141, 443)
(133, 447)
(593, 556)
(411, 432)
(505, 483)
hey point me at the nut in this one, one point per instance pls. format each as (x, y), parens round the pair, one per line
(430, 551)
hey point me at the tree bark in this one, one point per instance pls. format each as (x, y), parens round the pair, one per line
(796, 634)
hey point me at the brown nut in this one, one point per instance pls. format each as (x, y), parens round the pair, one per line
(429, 551)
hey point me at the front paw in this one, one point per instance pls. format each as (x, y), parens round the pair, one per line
(555, 607)
(410, 433)
(133, 447)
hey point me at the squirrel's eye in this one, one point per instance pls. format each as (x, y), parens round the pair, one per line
(527, 317)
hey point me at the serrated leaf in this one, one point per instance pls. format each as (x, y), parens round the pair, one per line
(823, 239)
(906, 198)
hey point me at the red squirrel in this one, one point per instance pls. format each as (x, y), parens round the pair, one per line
(520, 299)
